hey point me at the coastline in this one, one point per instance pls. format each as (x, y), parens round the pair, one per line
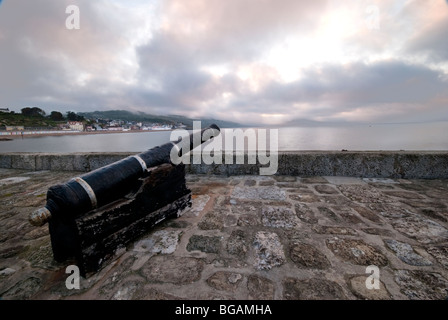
(62, 133)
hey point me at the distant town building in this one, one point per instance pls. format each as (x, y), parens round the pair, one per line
(76, 125)
(15, 128)
(5, 110)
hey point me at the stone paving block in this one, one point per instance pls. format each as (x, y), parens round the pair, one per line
(279, 217)
(326, 189)
(406, 253)
(307, 256)
(204, 243)
(212, 220)
(226, 281)
(344, 180)
(24, 289)
(308, 198)
(356, 251)
(263, 193)
(421, 285)
(364, 194)
(359, 289)
(304, 213)
(367, 213)
(162, 241)
(312, 289)
(173, 269)
(440, 253)
(268, 251)
(198, 204)
(237, 244)
(423, 230)
(260, 288)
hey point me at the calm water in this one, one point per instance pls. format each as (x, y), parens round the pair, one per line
(427, 136)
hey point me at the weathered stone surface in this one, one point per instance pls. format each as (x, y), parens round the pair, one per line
(226, 281)
(237, 244)
(312, 289)
(390, 211)
(12, 180)
(250, 183)
(339, 200)
(7, 271)
(279, 217)
(406, 253)
(313, 180)
(264, 193)
(154, 294)
(359, 289)
(161, 266)
(23, 290)
(440, 253)
(284, 178)
(347, 214)
(127, 290)
(173, 269)
(421, 285)
(305, 197)
(378, 231)
(204, 244)
(404, 194)
(304, 213)
(367, 213)
(260, 288)
(248, 220)
(266, 183)
(268, 251)
(356, 251)
(306, 256)
(380, 181)
(212, 220)
(334, 230)
(162, 241)
(198, 204)
(363, 194)
(438, 215)
(326, 189)
(329, 213)
(423, 230)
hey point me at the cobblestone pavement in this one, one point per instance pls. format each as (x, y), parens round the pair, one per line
(249, 237)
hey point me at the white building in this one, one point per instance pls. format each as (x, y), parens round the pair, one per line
(76, 125)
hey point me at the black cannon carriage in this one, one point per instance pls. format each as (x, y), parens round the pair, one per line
(92, 216)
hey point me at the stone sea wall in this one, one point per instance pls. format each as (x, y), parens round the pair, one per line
(367, 164)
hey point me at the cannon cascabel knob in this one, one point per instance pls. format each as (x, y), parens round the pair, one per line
(40, 217)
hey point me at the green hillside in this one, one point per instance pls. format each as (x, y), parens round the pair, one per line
(17, 119)
(144, 117)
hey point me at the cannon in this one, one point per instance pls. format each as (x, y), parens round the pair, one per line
(93, 215)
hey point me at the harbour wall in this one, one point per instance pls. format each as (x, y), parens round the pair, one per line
(368, 164)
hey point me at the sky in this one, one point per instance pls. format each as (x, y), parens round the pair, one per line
(249, 61)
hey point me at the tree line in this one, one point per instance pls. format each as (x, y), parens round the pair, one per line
(54, 115)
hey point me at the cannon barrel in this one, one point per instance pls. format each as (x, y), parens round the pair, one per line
(109, 183)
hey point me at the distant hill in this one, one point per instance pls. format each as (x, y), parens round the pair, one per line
(145, 117)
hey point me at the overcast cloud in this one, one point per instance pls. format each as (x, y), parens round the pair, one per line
(249, 61)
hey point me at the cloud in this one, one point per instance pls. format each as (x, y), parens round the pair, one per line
(242, 60)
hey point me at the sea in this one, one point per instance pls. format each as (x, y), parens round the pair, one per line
(373, 137)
